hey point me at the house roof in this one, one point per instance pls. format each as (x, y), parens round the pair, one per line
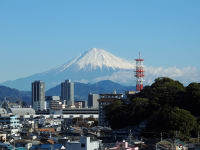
(22, 111)
(179, 142)
(46, 130)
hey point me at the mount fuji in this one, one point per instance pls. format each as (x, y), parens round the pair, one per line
(91, 66)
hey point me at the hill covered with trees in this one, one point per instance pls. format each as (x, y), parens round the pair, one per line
(14, 95)
(166, 106)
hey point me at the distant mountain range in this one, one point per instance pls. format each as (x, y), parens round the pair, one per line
(97, 65)
(81, 91)
(90, 67)
(14, 95)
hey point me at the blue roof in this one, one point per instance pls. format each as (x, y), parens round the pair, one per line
(47, 146)
(179, 142)
(8, 146)
(20, 148)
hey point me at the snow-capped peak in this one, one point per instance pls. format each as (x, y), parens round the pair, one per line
(98, 58)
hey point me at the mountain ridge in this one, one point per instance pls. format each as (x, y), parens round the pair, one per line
(81, 91)
(96, 59)
(14, 95)
(88, 67)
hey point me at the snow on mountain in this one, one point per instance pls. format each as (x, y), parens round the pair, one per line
(97, 65)
(87, 67)
(97, 59)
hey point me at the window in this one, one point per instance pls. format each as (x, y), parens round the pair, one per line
(82, 145)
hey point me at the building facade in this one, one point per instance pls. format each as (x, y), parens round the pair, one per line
(11, 121)
(51, 98)
(93, 100)
(38, 96)
(55, 107)
(106, 99)
(85, 143)
(67, 92)
(80, 104)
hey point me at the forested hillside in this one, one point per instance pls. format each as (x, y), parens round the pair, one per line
(167, 106)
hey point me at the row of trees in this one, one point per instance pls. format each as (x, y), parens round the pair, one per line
(167, 106)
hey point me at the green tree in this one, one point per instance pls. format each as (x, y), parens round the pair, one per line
(164, 91)
(171, 120)
(192, 98)
(165, 105)
(116, 114)
(138, 110)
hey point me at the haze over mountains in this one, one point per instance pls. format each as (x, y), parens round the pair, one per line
(97, 65)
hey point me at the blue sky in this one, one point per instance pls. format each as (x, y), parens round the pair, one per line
(39, 35)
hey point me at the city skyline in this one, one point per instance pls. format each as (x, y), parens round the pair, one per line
(37, 36)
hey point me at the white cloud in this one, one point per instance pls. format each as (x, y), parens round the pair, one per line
(185, 75)
(82, 81)
(121, 76)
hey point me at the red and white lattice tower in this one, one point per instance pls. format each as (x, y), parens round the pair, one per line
(139, 74)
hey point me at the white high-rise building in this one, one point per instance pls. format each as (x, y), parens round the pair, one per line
(67, 92)
(38, 96)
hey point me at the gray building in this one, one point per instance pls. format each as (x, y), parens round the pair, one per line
(54, 104)
(38, 96)
(51, 98)
(93, 100)
(67, 92)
